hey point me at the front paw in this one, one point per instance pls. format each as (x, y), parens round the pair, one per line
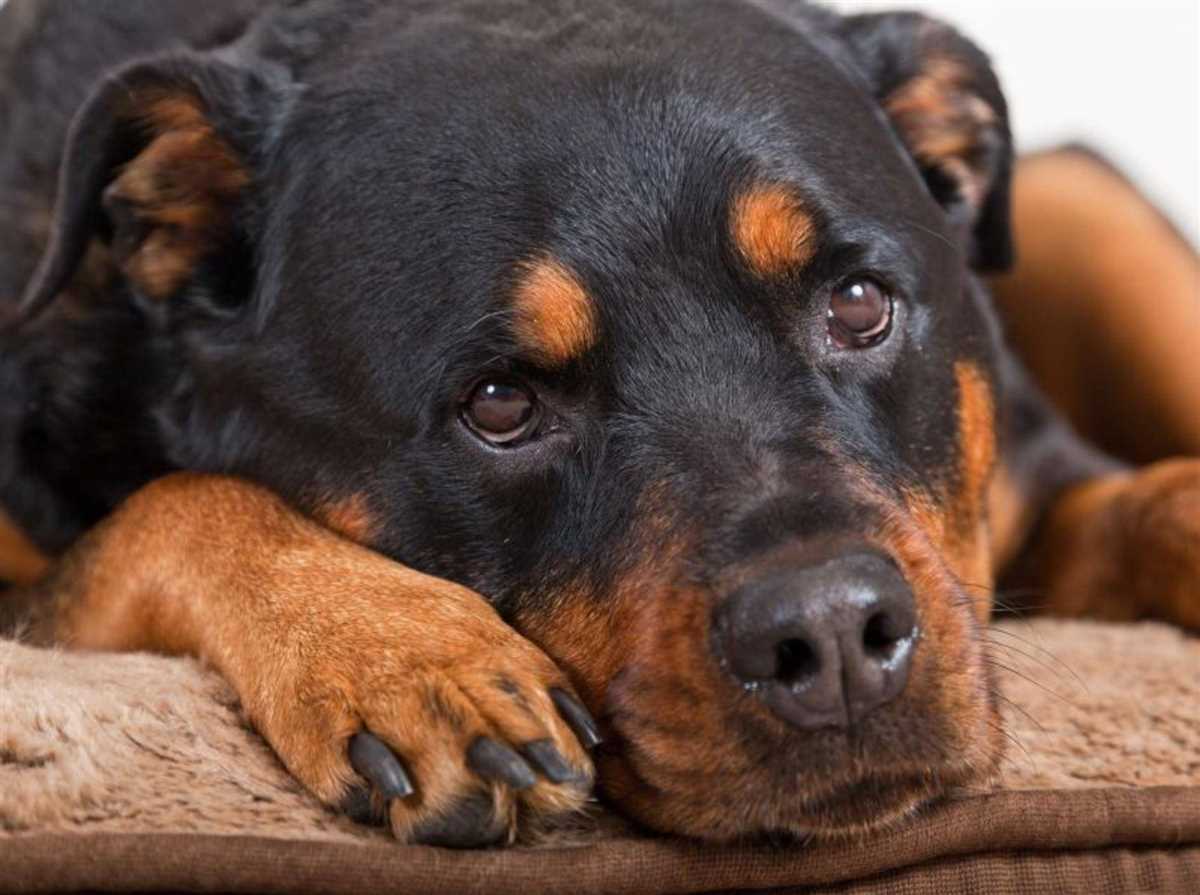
(1128, 546)
(426, 709)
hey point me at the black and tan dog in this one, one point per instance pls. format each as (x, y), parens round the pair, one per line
(435, 369)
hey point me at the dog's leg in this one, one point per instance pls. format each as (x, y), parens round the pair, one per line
(1082, 534)
(324, 640)
(1124, 546)
(1105, 306)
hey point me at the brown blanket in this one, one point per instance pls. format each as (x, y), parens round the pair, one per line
(136, 773)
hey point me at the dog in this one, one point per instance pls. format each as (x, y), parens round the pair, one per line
(508, 397)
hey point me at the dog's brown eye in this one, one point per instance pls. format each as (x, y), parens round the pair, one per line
(860, 314)
(501, 412)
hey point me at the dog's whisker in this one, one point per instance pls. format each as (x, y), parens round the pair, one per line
(1002, 604)
(1017, 707)
(993, 662)
(1002, 648)
(940, 237)
(1045, 652)
(491, 315)
(1007, 757)
(1040, 661)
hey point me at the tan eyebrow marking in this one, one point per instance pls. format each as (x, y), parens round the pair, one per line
(555, 317)
(772, 230)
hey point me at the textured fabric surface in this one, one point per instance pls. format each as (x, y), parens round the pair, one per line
(998, 836)
(129, 773)
(1109, 871)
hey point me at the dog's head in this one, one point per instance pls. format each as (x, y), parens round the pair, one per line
(658, 330)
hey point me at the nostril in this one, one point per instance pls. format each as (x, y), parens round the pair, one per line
(878, 639)
(883, 632)
(796, 661)
(822, 645)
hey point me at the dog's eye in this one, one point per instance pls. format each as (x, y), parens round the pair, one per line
(860, 314)
(501, 412)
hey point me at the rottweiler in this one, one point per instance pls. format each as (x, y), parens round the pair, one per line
(504, 396)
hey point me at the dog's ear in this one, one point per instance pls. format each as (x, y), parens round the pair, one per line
(944, 101)
(160, 164)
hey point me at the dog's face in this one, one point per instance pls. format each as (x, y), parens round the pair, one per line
(672, 351)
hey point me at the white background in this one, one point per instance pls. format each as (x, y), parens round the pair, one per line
(1122, 76)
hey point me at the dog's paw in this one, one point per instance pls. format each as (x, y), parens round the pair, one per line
(1128, 546)
(409, 699)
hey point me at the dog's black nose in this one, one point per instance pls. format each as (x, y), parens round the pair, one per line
(826, 643)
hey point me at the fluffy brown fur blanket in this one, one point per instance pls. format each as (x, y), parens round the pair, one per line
(137, 772)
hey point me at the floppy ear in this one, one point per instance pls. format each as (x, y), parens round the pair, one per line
(946, 106)
(159, 165)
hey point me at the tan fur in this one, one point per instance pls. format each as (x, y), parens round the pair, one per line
(941, 120)
(956, 522)
(554, 317)
(135, 743)
(351, 517)
(182, 187)
(772, 231)
(320, 638)
(1011, 515)
(949, 675)
(1126, 546)
(1104, 307)
(641, 657)
(20, 561)
(969, 548)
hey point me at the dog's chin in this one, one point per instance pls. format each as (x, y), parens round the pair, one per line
(863, 806)
(871, 802)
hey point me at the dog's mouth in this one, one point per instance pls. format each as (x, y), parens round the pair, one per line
(695, 748)
(690, 752)
(750, 785)
(869, 803)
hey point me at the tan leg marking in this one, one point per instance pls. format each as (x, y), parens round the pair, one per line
(1124, 547)
(321, 638)
(1104, 307)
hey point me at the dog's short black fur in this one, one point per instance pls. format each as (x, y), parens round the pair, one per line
(383, 142)
(376, 181)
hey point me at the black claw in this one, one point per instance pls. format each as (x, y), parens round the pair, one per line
(578, 717)
(544, 756)
(375, 761)
(495, 761)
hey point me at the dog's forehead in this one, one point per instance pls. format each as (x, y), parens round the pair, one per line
(470, 150)
(611, 111)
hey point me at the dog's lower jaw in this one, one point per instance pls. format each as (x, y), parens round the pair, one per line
(852, 810)
(826, 784)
